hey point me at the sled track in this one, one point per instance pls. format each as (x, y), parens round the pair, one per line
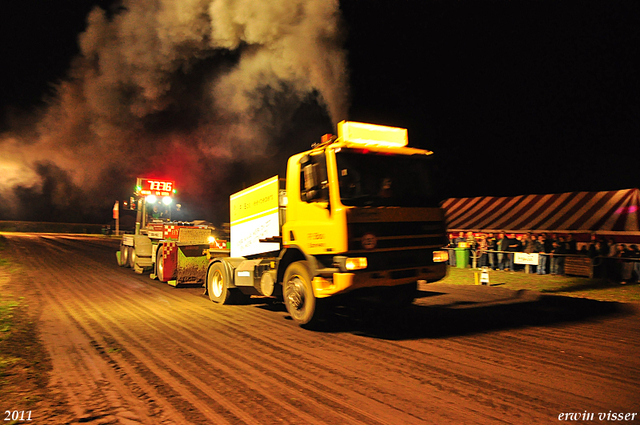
(126, 349)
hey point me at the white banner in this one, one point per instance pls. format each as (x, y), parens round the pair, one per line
(245, 237)
(525, 258)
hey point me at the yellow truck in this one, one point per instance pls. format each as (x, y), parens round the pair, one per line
(356, 213)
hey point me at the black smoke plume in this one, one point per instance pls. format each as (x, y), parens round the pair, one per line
(210, 93)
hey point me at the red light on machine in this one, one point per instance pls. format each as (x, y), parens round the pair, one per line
(155, 187)
(327, 138)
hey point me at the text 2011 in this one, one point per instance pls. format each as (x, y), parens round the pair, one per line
(17, 415)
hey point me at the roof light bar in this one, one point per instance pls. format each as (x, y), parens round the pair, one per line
(372, 134)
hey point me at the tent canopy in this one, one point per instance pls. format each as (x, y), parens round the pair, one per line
(572, 212)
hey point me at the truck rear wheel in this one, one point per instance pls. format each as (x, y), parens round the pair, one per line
(124, 256)
(298, 294)
(132, 256)
(160, 264)
(217, 284)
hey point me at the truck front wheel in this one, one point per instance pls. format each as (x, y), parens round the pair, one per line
(298, 294)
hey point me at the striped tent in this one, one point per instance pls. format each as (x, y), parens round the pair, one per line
(614, 212)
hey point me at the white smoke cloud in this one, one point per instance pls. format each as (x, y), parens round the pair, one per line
(201, 79)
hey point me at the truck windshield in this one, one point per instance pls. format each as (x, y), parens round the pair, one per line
(380, 179)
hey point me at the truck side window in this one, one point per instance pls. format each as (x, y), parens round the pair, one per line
(313, 179)
(350, 184)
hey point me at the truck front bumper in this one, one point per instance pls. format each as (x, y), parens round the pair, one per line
(344, 282)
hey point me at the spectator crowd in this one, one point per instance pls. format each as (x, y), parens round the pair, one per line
(614, 261)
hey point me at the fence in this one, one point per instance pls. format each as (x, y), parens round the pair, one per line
(620, 268)
(44, 227)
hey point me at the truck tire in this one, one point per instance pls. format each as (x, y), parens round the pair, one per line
(298, 294)
(124, 256)
(217, 284)
(132, 256)
(160, 265)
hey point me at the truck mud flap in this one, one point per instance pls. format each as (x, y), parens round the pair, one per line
(192, 265)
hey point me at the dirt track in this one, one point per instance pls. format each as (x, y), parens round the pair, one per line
(126, 349)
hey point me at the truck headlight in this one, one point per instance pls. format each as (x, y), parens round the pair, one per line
(440, 256)
(346, 263)
(357, 263)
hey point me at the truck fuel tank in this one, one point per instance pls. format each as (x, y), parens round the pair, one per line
(259, 274)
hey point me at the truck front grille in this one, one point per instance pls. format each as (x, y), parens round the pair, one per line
(398, 245)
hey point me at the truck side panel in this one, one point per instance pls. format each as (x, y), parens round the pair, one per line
(254, 216)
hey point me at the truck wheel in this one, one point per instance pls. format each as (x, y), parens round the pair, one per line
(160, 265)
(298, 294)
(132, 256)
(124, 256)
(217, 284)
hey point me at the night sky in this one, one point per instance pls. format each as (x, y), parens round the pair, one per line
(516, 97)
(513, 97)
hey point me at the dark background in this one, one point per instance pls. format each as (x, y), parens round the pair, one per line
(514, 97)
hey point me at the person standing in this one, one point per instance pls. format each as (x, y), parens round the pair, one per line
(557, 253)
(613, 247)
(492, 246)
(625, 268)
(513, 246)
(481, 247)
(564, 248)
(471, 248)
(593, 247)
(503, 245)
(609, 252)
(635, 254)
(451, 250)
(598, 255)
(572, 245)
(542, 257)
(530, 248)
(471, 240)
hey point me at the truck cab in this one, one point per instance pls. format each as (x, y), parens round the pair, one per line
(359, 212)
(172, 251)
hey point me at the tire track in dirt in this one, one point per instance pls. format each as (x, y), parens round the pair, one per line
(295, 371)
(310, 359)
(170, 374)
(305, 362)
(196, 341)
(77, 307)
(279, 351)
(333, 389)
(83, 375)
(87, 302)
(149, 353)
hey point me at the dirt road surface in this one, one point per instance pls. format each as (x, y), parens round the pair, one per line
(127, 349)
